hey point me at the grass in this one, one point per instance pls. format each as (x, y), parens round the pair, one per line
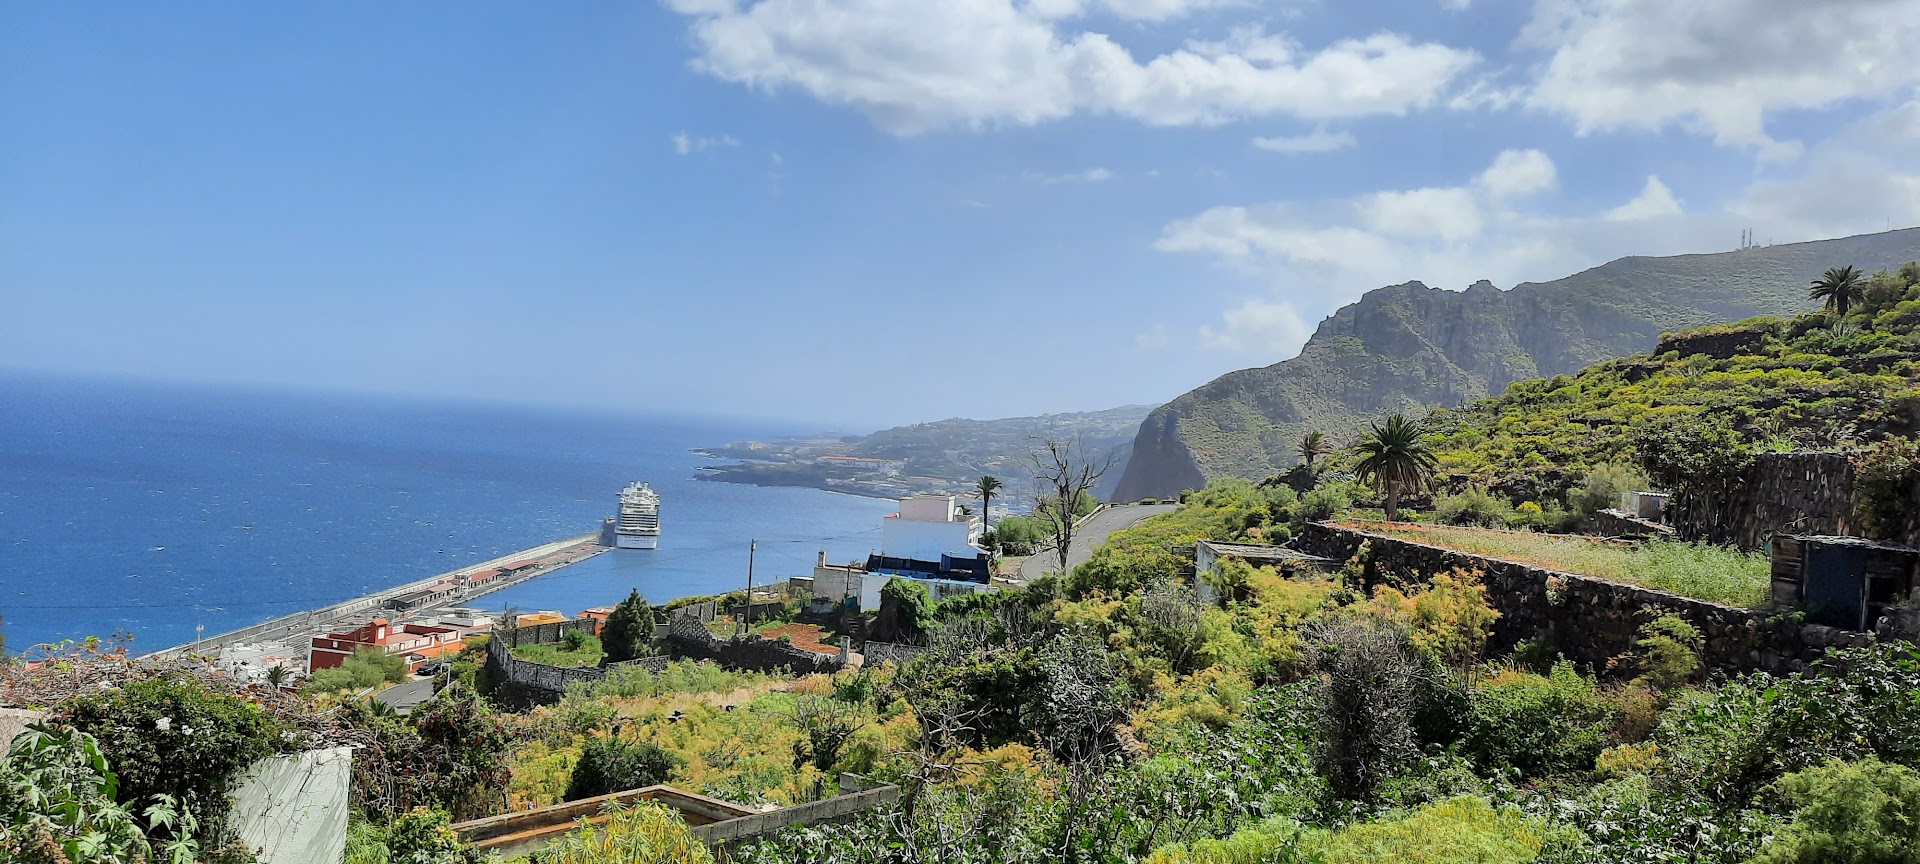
(1712, 573)
(558, 654)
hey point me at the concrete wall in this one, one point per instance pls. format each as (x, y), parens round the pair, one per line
(838, 808)
(926, 541)
(293, 809)
(1588, 620)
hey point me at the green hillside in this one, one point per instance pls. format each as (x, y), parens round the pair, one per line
(1810, 381)
(1409, 348)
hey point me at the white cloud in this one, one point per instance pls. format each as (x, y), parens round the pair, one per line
(1151, 339)
(1257, 325)
(1132, 10)
(1317, 141)
(684, 144)
(1091, 175)
(914, 67)
(1518, 173)
(1450, 213)
(1654, 201)
(1718, 66)
(1316, 256)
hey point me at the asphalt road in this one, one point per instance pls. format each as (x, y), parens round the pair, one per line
(1089, 535)
(404, 697)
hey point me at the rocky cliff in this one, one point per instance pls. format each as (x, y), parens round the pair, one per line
(1410, 348)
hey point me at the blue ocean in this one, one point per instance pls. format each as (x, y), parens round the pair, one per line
(160, 509)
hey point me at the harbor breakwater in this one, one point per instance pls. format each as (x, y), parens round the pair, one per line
(541, 559)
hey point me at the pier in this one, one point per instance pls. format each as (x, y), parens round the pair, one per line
(295, 628)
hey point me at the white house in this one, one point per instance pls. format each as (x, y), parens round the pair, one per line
(927, 527)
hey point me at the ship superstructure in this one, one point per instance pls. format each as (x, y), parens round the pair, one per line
(638, 524)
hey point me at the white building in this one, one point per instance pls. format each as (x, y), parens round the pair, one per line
(928, 527)
(929, 541)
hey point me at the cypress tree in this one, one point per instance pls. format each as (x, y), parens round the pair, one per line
(629, 628)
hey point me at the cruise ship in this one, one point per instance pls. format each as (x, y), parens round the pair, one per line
(638, 525)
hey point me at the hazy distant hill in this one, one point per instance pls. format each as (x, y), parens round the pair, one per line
(1410, 347)
(942, 456)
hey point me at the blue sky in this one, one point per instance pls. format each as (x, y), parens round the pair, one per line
(857, 212)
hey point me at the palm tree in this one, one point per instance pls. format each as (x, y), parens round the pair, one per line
(1312, 445)
(1839, 287)
(988, 485)
(1395, 459)
(277, 676)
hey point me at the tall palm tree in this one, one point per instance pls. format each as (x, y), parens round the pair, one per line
(1311, 446)
(1839, 287)
(1394, 459)
(988, 485)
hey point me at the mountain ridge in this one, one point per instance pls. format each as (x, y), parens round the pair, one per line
(1411, 347)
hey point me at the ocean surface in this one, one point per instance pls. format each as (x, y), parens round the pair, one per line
(158, 509)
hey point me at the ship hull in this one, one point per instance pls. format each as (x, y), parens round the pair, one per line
(633, 541)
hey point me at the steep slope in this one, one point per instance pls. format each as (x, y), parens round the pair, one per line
(1410, 347)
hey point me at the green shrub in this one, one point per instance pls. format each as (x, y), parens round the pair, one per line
(1865, 812)
(1603, 486)
(1537, 725)
(1275, 841)
(57, 792)
(1322, 502)
(608, 765)
(366, 667)
(647, 833)
(424, 835)
(1465, 830)
(1668, 651)
(1475, 506)
(174, 737)
(1850, 705)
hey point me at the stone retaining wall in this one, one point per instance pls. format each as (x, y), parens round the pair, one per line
(1588, 620)
(1788, 493)
(521, 683)
(750, 653)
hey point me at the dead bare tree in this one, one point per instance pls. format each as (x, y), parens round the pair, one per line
(1065, 471)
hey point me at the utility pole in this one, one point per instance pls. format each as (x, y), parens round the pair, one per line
(747, 621)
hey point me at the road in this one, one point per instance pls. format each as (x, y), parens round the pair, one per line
(1093, 533)
(403, 697)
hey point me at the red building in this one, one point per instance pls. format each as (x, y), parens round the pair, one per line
(416, 643)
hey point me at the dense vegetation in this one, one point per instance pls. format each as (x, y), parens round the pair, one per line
(1817, 380)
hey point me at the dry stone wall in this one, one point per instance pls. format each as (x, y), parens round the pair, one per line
(521, 683)
(1588, 620)
(1791, 493)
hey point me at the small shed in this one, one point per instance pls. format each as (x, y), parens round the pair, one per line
(1846, 582)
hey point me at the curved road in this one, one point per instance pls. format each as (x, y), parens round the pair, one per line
(1089, 535)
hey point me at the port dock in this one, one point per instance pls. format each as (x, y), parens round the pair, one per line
(435, 592)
